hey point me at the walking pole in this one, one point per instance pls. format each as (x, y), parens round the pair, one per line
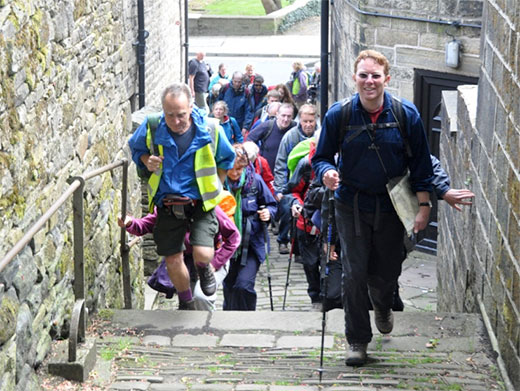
(266, 237)
(325, 274)
(293, 234)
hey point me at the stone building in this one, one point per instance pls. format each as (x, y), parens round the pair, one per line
(69, 84)
(478, 141)
(479, 268)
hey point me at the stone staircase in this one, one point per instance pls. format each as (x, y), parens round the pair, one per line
(167, 349)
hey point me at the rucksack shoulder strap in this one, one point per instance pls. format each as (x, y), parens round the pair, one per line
(152, 123)
(345, 113)
(269, 130)
(213, 130)
(398, 113)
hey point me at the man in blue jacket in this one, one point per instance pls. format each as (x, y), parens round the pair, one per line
(236, 95)
(368, 226)
(186, 185)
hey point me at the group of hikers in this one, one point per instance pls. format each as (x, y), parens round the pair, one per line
(220, 171)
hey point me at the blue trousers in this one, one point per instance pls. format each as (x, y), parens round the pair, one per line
(239, 284)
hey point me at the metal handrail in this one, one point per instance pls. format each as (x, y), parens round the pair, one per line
(75, 189)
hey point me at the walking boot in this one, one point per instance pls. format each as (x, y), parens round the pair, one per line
(356, 354)
(384, 320)
(208, 284)
(283, 248)
(187, 305)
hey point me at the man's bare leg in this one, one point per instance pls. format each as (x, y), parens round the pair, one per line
(202, 257)
(180, 277)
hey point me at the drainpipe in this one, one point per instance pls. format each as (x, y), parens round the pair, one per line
(186, 43)
(324, 56)
(141, 48)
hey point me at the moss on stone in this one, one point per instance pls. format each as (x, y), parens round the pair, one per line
(8, 314)
(80, 9)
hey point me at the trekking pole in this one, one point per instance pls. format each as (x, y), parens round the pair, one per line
(293, 234)
(325, 274)
(266, 244)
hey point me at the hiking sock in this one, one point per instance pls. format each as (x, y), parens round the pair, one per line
(185, 295)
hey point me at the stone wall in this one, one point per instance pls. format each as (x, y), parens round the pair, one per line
(408, 44)
(480, 249)
(69, 84)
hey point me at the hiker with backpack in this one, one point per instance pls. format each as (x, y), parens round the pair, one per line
(229, 124)
(187, 167)
(308, 222)
(298, 83)
(268, 137)
(236, 95)
(374, 146)
(255, 206)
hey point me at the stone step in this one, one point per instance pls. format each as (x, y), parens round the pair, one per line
(190, 350)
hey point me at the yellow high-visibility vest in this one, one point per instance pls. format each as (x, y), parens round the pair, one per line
(208, 182)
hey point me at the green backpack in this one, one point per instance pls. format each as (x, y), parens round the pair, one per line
(300, 150)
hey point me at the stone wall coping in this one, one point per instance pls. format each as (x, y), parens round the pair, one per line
(228, 25)
(281, 13)
(449, 101)
(468, 94)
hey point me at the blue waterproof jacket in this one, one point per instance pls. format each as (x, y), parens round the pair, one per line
(178, 171)
(238, 104)
(232, 130)
(359, 166)
(258, 195)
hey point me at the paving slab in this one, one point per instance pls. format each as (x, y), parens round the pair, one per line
(304, 342)
(157, 340)
(168, 387)
(130, 386)
(262, 320)
(248, 340)
(160, 322)
(188, 340)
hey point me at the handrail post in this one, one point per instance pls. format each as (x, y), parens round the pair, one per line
(78, 217)
(125, 265)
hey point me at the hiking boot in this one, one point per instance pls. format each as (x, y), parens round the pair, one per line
(283, 248)
(356, 354)
(384, 320)
(208, 284)
(187, 305)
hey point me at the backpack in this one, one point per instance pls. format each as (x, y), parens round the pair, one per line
(397, 111)
(299, 151)
(152, 123)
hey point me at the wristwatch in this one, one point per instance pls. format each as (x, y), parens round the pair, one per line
(428, 204)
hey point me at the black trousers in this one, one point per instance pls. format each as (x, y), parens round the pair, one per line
(309, 250)
(373, 259)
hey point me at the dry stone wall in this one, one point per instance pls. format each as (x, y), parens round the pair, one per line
(480, 249)
(69, 82)
(408, 44)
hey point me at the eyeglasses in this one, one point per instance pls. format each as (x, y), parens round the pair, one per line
(375, 76)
